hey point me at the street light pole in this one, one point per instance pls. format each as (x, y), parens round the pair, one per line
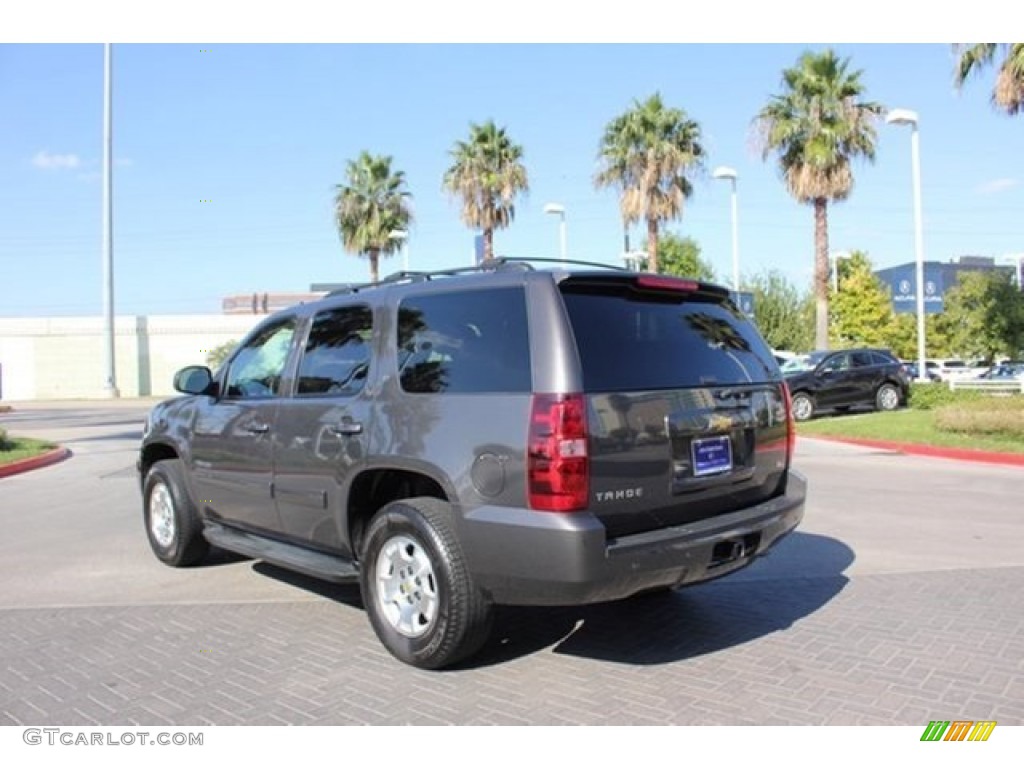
(109, 373)
(908, 117)
(559, 210)
(724, 172)
(836, 256)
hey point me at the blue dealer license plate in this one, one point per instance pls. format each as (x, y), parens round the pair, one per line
(711, 455)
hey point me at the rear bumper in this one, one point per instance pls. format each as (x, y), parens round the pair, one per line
(521, 557)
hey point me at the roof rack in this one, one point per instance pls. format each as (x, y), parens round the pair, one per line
(497, 264)
(573, 262)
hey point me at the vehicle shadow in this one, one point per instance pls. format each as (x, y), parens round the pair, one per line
(803, 574)
(342, 593)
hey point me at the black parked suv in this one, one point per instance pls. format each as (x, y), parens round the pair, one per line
(467, 438)
(840, 380)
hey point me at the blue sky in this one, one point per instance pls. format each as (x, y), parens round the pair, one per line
(264, 131)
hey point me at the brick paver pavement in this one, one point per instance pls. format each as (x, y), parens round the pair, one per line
(881, 649)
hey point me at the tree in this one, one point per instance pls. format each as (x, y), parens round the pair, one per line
(861, 310)
(984, 313)
(487, 173)
(1008, 93)
(647, 153)
(373, 203)
(817, 127)
(783, 313)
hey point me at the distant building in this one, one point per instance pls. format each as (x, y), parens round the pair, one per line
(265, 303)
(939, 277)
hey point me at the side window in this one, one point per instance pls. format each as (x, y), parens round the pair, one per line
(862, 359)
(837, 363)
(880, 358)
(337, 355)
(465, 341)
(256, 370)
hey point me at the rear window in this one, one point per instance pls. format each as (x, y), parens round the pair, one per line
(632, 341)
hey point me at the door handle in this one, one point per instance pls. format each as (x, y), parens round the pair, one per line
(257, 428)
(347, 428)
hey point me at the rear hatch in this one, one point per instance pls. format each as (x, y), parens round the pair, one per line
(686, 407)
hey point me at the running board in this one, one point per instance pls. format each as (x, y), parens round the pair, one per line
(290, 556)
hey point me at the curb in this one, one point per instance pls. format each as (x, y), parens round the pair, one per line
(934, 451)
(36, 462)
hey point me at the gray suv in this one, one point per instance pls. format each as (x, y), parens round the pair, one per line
(495, 435)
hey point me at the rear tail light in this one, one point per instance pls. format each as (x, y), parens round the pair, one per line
(790, 425)
(558, 468)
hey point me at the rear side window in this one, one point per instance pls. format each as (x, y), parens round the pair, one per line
(633, 341)
(464, 341)
(337, 354)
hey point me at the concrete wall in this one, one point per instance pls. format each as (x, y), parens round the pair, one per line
(53, 358)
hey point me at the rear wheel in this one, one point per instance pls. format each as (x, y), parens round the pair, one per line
(887, 398)
(172, 524)
(419, 595)
(803, 406)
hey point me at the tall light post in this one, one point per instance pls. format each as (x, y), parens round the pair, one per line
(109, 374)
(908, 117)
(725, 172)
(836, 256)
(557, 209)
(402, 236)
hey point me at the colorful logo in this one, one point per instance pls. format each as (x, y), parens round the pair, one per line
(958, 730)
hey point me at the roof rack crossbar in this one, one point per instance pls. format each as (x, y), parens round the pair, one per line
(575, 262)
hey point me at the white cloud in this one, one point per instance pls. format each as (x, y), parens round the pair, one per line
(50, 161)
(996, 186)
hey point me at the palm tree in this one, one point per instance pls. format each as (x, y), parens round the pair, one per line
(370, 206)
(488, 174)
(817, 126)
(1008, 93)
(647, 153)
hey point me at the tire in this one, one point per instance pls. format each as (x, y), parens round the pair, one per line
(803, 406)
(419, 595)
(172, 524)
(887, 398)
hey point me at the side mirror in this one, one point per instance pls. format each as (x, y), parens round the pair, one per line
(194, 380)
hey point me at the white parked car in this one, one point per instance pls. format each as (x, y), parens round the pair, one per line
(954, 369)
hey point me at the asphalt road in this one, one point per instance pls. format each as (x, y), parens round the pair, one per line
(900, 600)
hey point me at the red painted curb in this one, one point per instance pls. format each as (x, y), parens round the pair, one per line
(936, 451)
(36, 462)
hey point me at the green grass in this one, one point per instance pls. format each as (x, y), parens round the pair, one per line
(906, 426)
(17, 448)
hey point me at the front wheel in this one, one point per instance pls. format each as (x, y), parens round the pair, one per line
(419, 595)
(172, 525)
(803, 406)
(887, 398)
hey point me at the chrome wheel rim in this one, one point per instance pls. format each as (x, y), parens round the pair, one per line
(406, 586)
(888, 398)
(801, 408)
(161, 515)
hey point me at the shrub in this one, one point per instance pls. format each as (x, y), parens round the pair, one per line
(4, 445)
(991, 416)
(927, 397)
(220, 353)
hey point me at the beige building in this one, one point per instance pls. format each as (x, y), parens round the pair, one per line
(46, 358)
